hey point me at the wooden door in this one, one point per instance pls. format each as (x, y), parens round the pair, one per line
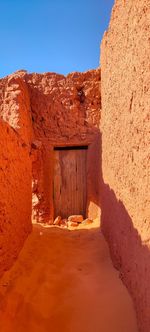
(69, 182)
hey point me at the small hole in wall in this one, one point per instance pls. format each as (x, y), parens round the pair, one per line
(81, 95)
(42, 119)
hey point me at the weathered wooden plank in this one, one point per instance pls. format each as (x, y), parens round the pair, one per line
(70, 182)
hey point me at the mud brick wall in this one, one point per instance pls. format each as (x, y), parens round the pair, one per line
(15, 195)
(125, 89)
(15, 168)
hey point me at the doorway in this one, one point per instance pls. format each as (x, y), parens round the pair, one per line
(69, 188)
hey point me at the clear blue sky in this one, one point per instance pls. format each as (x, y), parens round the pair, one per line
(51, 35)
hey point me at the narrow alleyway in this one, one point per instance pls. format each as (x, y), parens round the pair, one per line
(64, 281)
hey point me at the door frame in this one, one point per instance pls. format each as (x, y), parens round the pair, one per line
(93, 175)
(67, 148)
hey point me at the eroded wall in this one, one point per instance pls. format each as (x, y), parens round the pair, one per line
(125, 89)
(39, 112)
(65, 111)
(64, 107)
(15, 105)
(15, 168)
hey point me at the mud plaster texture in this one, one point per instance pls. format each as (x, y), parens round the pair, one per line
(38, 112)
(65, 112)
(15, 168)
(125, 89)
(15, 105)
(15, 196)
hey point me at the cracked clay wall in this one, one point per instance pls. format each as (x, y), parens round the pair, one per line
(125, 89)
(15, 169)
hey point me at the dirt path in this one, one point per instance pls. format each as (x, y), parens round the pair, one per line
(64, 281)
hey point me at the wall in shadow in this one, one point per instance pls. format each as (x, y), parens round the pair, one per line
(130, 255)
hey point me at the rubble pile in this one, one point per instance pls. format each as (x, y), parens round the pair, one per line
(71, 221)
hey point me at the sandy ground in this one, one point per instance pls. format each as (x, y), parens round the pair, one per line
(64, 281)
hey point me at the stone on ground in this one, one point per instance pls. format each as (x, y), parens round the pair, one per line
(76, 218)
(72, 224)
(57, 221)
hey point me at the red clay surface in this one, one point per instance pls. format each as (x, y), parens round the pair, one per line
(64, 281)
